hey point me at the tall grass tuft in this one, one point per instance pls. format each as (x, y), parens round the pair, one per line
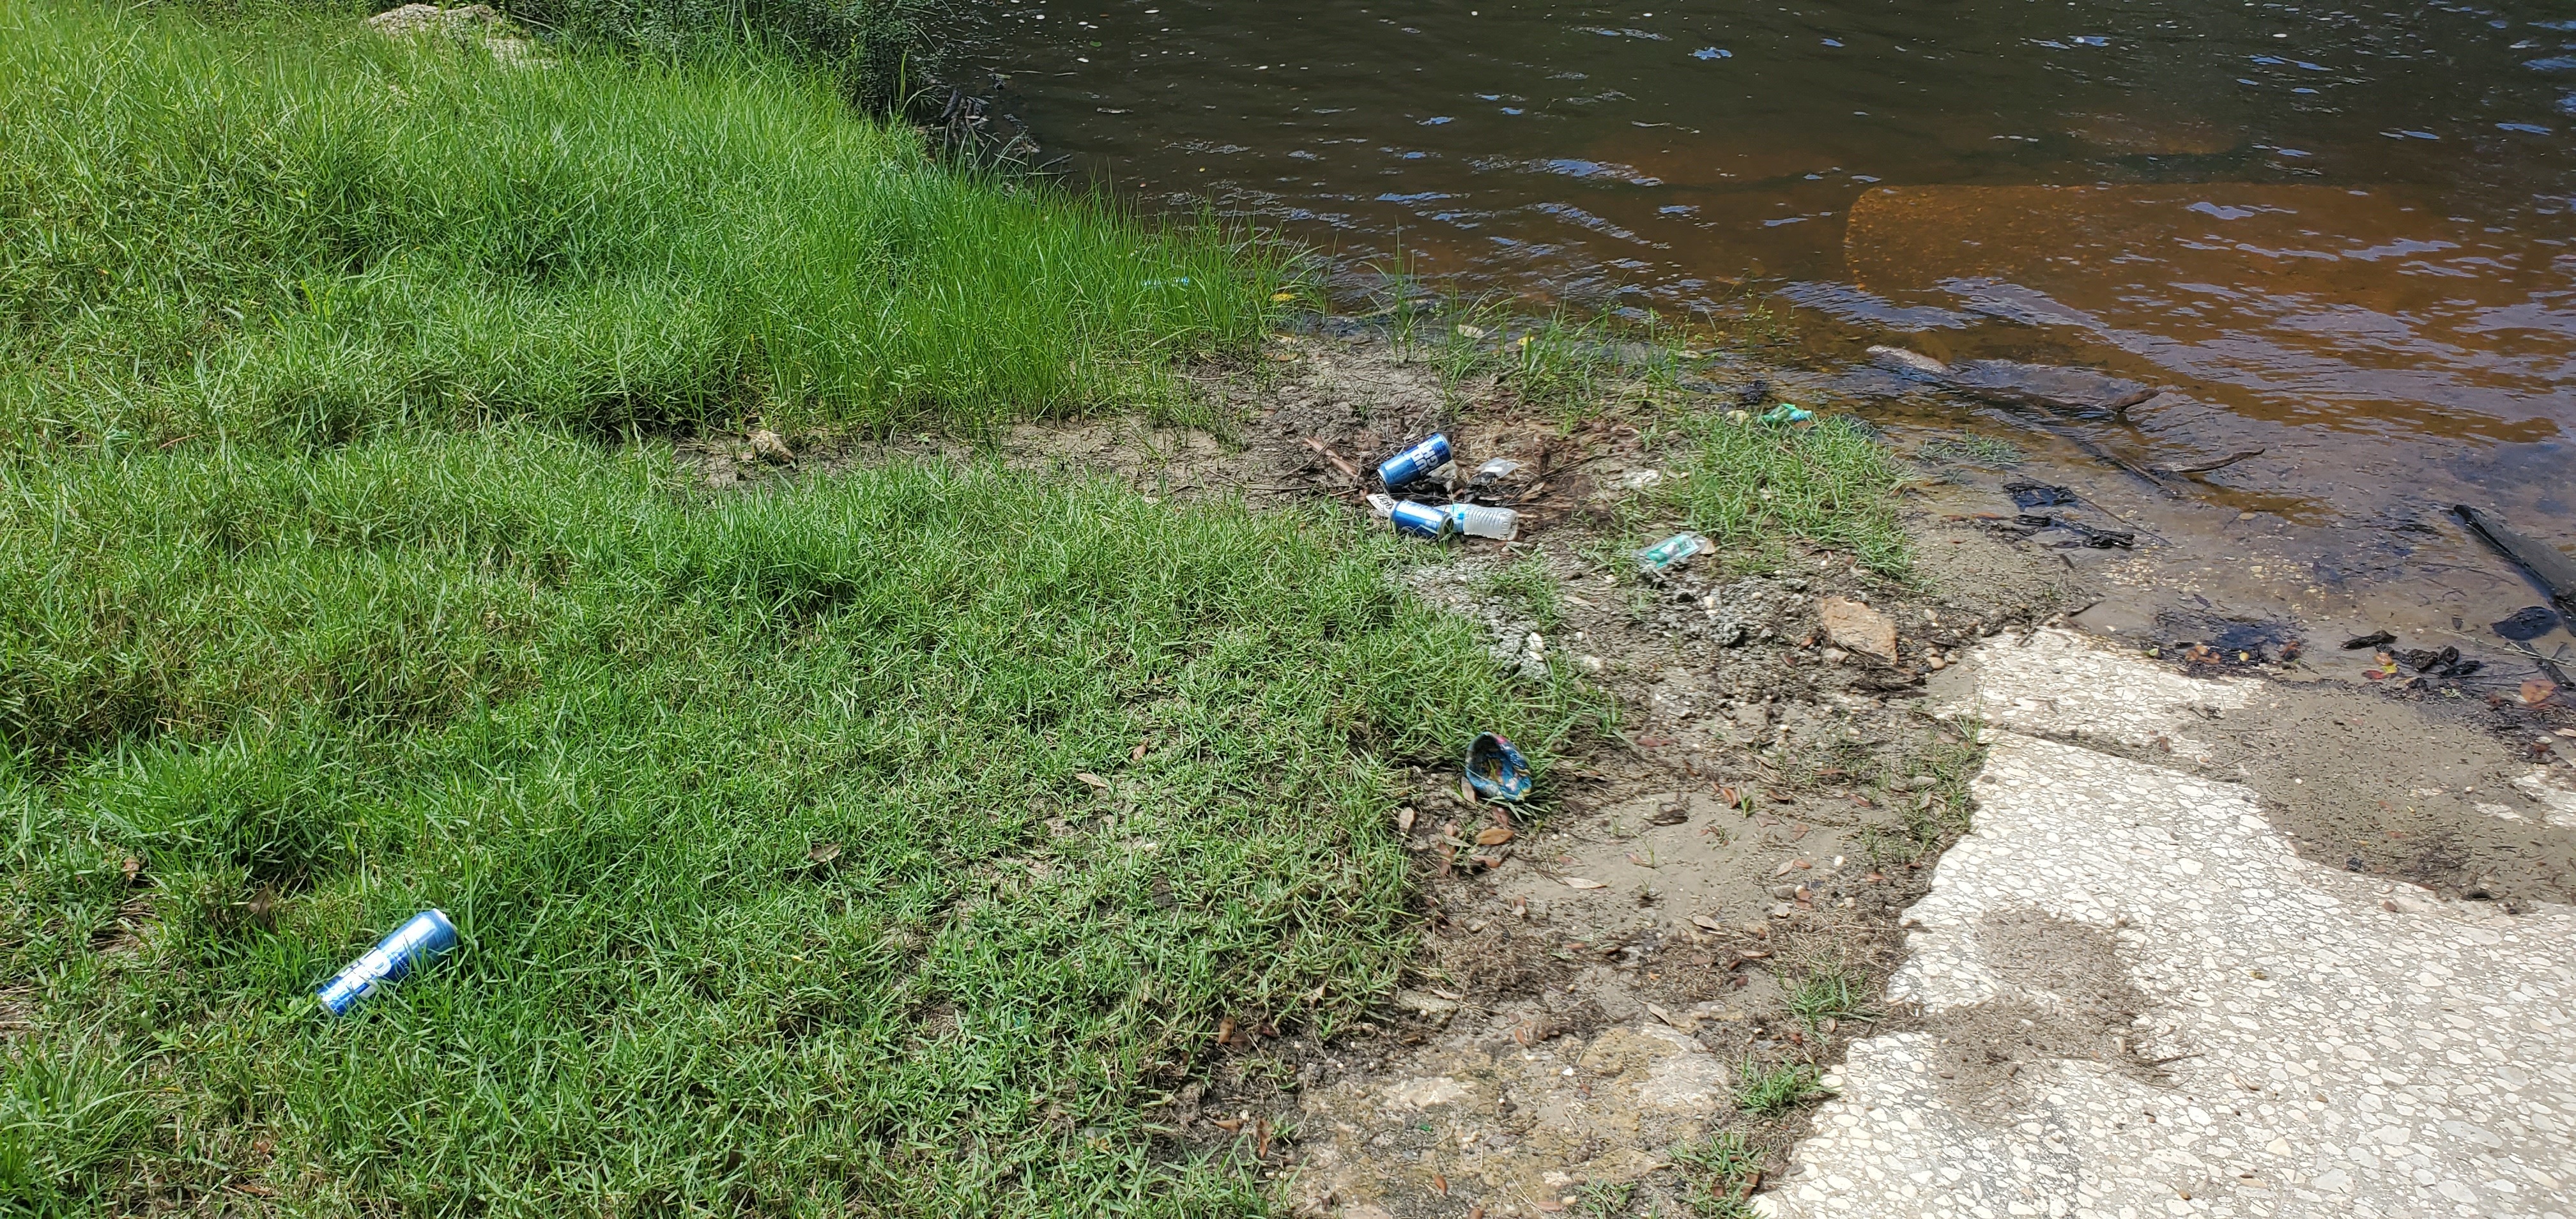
(1754, 486)
(290, 229)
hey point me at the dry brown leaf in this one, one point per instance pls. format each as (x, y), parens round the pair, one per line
(2537, 691)
(1493, 836)
(1092, 779)
(1404, 820)
(823, 852)
(1786, 867)
(1752, 954)
(1440, 1183)
(1227, 1124)
(133, 868)
(1705, 923)
(1138, 753)
(1577, 882)
(1466, 791)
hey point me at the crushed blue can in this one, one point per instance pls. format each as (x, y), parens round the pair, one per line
(1496, 770)
(1414, 464)
(1421, 520)
(422, 938)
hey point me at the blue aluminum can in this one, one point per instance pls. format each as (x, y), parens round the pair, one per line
(1422, 520)
(424, 938)
(1414, 463)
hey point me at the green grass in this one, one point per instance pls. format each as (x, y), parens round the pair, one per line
(1753, 486)
(601, 720)
(1829, 991)
(290, 230)
(1719, 1169)
(1772, 1091)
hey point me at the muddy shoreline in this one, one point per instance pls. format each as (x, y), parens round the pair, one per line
(1714, 892)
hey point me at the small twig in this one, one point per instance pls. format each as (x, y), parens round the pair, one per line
(2205, 467)
(1325, 451)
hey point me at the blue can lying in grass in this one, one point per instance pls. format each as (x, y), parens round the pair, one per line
(1414, 464)
(421, 939)
(1496, 770)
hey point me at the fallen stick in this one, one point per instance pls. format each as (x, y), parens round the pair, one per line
(2205, 467)
(2555, 572)
(1341, 463)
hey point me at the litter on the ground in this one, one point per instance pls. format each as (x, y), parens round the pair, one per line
(1495, 470)
(2038, 495)
(1381, 505)
(1788, 412)
(1415, 463)
(1672, 552)
(2528, 623)
(422, 938)
(2371, 640)
(1479, 521)
(1496, 770)
(1421, 520)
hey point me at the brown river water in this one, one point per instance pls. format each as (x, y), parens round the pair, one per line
(2343, 235)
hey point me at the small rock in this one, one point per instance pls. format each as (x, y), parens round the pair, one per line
(768, 446)
(1424, 1004)
(1857, 627)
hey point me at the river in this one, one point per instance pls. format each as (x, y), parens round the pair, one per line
(2341, 235)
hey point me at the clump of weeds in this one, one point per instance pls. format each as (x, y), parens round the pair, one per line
(1772, 1091)
(1719, 1170)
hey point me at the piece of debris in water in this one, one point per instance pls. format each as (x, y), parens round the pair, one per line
(2098, 539)
(2038, 495)
(2528, 623)
(2075, 390)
